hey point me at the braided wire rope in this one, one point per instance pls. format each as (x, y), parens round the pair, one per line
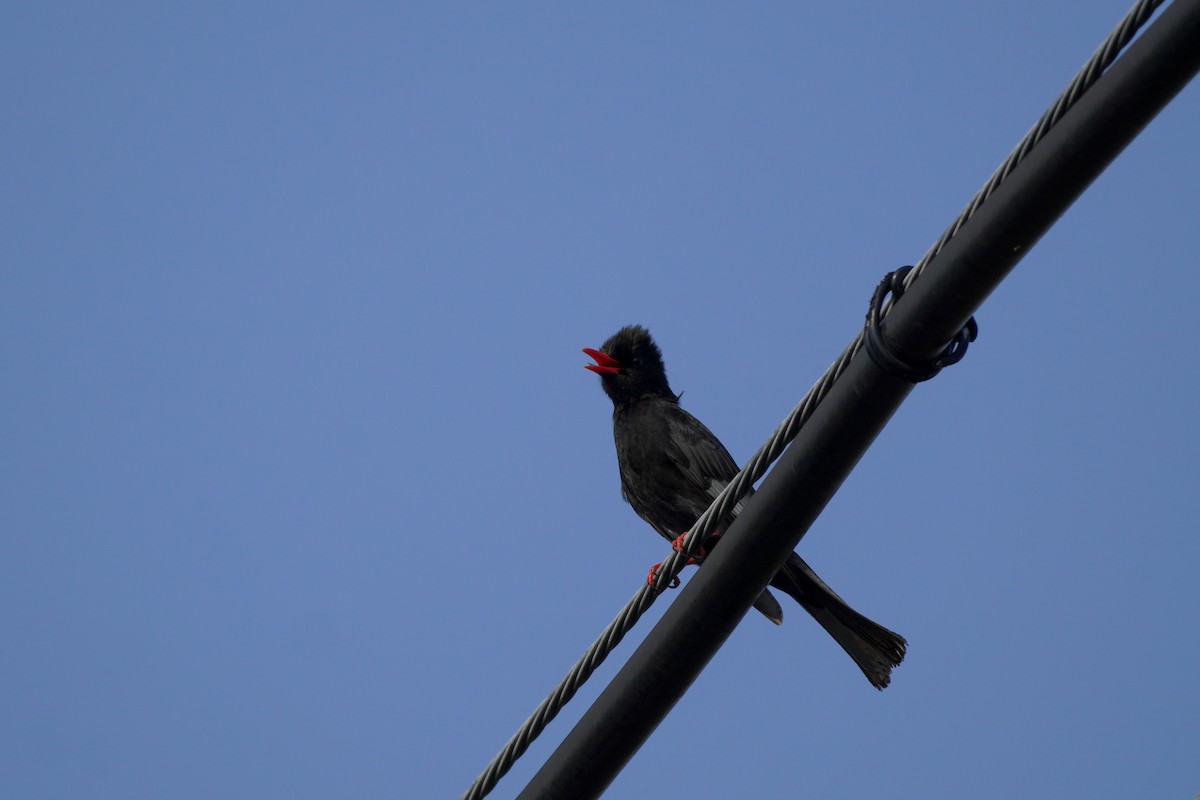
(757, 466)
(1102, 59)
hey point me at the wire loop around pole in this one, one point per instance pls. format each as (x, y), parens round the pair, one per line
(882, 354)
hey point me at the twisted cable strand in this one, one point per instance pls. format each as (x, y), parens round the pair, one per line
(1116, 41)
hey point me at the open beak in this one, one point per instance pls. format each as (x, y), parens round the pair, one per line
(605, 364)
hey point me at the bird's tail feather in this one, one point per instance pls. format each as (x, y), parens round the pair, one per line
(873, 647)
(768, 606)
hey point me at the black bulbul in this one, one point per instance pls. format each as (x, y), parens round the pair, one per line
(672, 468)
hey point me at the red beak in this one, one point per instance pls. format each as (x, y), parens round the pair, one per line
(605, 364)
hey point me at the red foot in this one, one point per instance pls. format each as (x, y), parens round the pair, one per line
(654, 571)
(677, 544)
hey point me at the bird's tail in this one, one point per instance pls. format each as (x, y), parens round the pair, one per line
(873, 647)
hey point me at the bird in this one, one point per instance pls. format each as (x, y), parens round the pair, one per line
(672, 467)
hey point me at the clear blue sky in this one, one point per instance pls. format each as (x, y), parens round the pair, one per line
(306, 493)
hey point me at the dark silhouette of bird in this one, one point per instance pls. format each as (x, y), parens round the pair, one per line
(672, 468)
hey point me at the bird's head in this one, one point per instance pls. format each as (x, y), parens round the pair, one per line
(630, 366)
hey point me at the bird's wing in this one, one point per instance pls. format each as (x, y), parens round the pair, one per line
(699, 455)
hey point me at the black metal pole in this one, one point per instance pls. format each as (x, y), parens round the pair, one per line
(1039, 190)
